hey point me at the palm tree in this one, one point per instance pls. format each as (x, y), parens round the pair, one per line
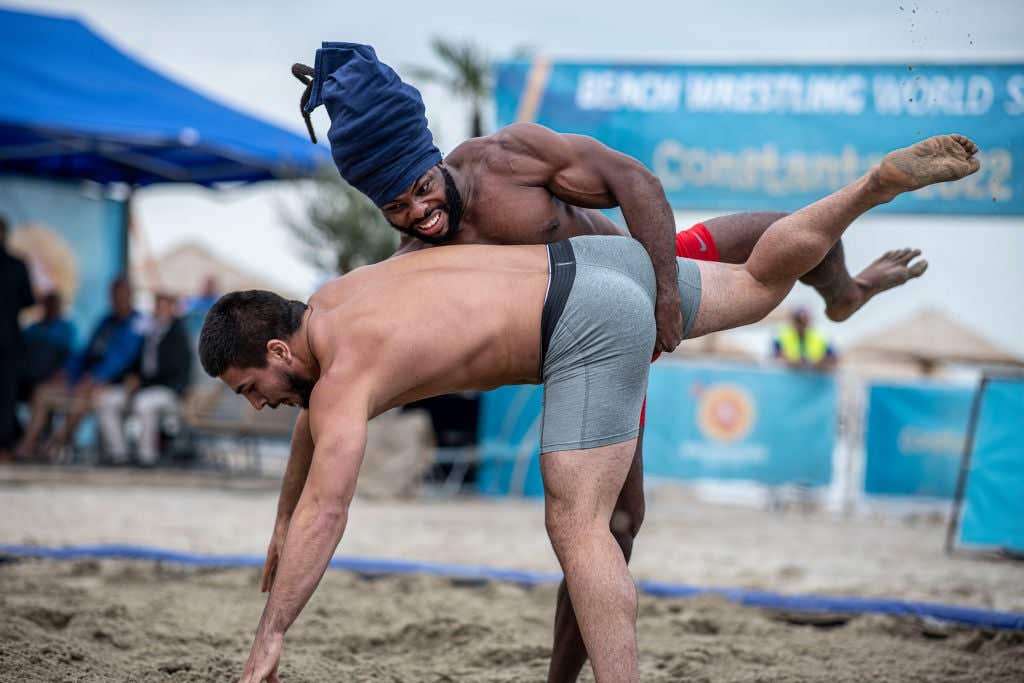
(467, 75)
(340, 228)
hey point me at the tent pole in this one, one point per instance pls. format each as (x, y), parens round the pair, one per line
(965, 465)
(126, 228)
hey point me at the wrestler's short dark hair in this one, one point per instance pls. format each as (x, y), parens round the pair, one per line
(239, 325)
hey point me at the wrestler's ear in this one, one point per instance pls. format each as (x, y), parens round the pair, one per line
(279, 349)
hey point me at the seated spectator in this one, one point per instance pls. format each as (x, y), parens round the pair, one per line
(202, 302)
(112, 349)
(48, 343)
(797, 344)
(152, 388)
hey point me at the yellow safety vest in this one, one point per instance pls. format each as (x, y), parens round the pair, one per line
(813, 349)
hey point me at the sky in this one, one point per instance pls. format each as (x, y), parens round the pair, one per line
(240, 54)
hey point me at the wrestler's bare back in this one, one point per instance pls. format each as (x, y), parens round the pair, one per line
(433, 322)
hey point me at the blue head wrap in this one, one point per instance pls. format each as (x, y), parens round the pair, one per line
(379, 135)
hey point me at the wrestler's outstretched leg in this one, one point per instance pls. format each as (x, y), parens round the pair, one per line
(736, 234)
(794, 245)
(568, 653)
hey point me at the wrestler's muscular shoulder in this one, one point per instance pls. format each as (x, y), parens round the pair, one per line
(512, 186)
(343, 330)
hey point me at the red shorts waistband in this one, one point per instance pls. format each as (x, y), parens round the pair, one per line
(696, 243)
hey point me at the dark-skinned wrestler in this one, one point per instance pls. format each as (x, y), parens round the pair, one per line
(527, 184)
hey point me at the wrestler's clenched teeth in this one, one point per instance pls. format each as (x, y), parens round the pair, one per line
(433, 225)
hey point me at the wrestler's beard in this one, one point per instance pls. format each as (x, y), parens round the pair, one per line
(452, 207)
(301, 386)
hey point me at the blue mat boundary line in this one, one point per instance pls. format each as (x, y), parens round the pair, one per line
(802, 603)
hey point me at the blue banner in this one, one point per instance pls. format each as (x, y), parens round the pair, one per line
(703, 422)
(70, 241)
(747, 137)
(509, 437)
(718, 422)
(993, 506)
(914, 438)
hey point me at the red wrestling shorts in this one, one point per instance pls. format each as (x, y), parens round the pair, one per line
(694, 243)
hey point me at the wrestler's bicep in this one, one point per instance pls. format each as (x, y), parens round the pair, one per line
(730, 297)
(575, 168)
(593, 175)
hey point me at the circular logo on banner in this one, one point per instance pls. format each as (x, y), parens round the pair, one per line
(725, 412)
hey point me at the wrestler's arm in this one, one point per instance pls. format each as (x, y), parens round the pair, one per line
(581, 171)
(337, 418)
(297, 469)
(291, 488)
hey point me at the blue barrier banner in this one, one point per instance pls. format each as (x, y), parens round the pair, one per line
(703, 422)
(70, 241)
(719, 422)
(993, 506)
(509, 437)
(914, 437)
(778, 137)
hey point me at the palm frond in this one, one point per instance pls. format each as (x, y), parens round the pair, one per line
(470, 68)
(340, 228)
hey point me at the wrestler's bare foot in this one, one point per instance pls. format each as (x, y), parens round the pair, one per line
(889, 270)
(935, 160)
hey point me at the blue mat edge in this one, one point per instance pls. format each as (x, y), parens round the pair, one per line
(803, 603)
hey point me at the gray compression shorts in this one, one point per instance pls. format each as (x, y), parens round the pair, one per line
(597, 336)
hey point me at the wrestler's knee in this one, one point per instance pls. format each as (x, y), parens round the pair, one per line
(736, 234)
(627, 519)
(830, 266)
(568, 537)
(563, 521)
(628, 515)
(627, 522)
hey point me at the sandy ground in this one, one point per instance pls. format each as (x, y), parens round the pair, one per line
(120, 621)
(106, 621)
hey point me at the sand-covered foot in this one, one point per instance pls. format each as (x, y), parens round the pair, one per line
(935, 160)
(891, 269)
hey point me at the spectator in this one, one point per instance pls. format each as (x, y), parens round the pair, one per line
(17, 295)
(201, 303)
(48, 343)
(798, 344)
(112, 349)
(153, 386)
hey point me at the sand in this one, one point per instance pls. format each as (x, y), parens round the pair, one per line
(143, 621)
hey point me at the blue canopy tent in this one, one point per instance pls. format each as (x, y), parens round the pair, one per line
(74, 106)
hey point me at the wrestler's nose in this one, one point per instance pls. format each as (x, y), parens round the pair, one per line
(420, 210)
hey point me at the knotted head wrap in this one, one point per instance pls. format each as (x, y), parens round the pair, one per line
(379, 136)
